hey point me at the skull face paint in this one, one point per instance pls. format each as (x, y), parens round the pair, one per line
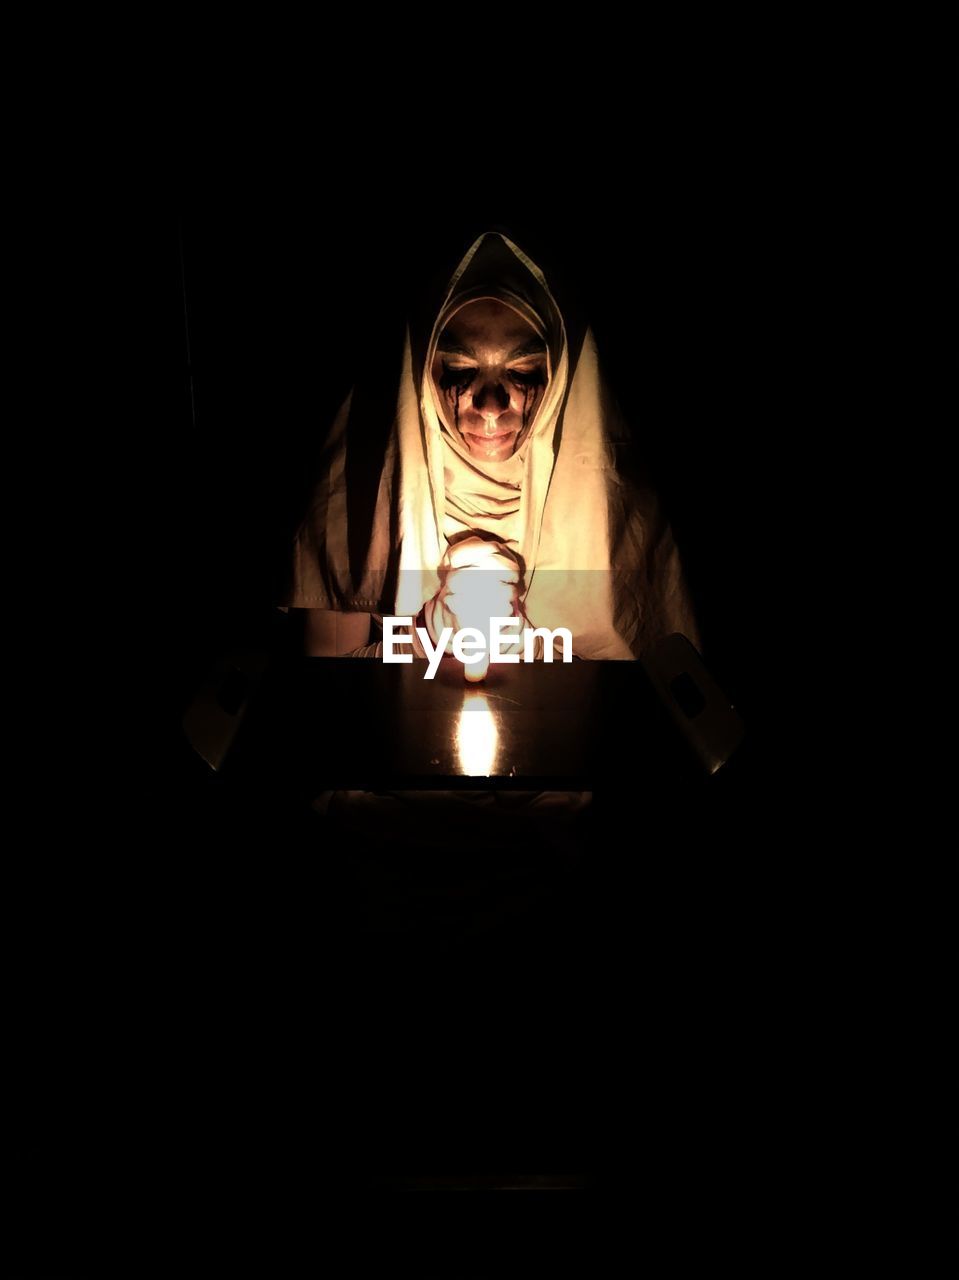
(490, 372)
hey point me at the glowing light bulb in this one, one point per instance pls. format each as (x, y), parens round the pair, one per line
(480, 596)
(476, 670)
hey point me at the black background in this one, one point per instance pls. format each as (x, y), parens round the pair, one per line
(257, 254)
(282, 270)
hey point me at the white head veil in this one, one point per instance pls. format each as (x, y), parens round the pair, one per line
(599, 557)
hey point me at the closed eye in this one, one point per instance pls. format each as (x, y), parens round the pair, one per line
(457, 377)
(527, 377)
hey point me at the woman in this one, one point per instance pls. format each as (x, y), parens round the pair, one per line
(506, 453)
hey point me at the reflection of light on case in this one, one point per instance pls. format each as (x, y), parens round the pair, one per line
(477, 739)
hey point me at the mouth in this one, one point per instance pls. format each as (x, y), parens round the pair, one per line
(490, 434)
(484, 438)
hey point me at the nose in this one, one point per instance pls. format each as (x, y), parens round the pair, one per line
(491, 398)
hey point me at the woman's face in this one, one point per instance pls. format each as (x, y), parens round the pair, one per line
(490, 372)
